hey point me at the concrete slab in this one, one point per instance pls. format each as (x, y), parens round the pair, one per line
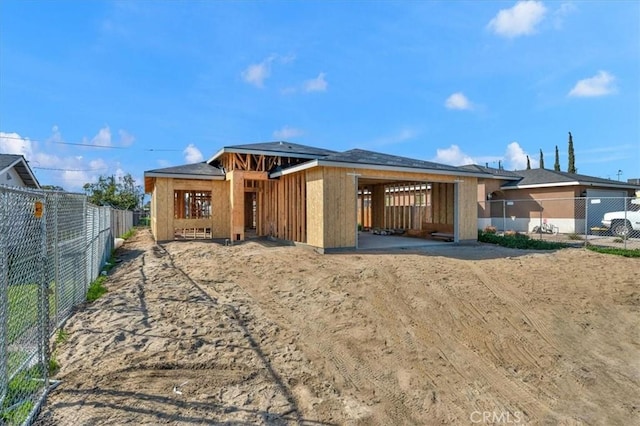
(369, 241)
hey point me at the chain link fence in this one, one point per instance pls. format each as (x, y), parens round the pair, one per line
(604, 221)
(52, 246)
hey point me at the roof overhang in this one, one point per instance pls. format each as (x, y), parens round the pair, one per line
(150, 176)
(183, 176)
(24, 171)
(346, 165)
(228, 150)
(573, 183)
(497, 177)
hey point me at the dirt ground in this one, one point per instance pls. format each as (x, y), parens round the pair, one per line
(259, 333)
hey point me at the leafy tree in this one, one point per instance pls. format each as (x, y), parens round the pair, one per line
(52, 187)
(541, 160)
(528, 163)
(572, 157)
(556, 165)
(122, 193)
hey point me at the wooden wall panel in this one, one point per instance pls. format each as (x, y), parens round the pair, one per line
(467, 209)
(163, 222)
(340, 209)
(220, 209)
(315, 207)
(377, 206)
(236, 198)
(164, 206)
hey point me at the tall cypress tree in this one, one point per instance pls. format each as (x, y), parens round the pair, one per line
(541, 160)
(572, 158)
(556, 165)
(528, 163)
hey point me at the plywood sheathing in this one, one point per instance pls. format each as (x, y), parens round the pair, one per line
(163, 220)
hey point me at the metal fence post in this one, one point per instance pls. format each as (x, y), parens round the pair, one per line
(586, 221)
(56, 258)
(541, 214)
(626, 237)
(43, 299)
(504, 216)
(4, 287)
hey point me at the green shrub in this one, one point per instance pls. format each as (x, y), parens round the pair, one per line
(615, 250)
(96, 289)
(130, 233)
(62, 336)
(518, 241)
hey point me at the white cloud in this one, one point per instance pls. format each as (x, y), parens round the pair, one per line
(318, 84)
(126, 138)
(97, 164)
(256, 74)
(402, 135)
(70, 172)
(458, 101)
(521, 19)
(287, 133)
(599, 85)
(453, 156)
(192, 154)
(13, 143)
(56, 136)
(565, 9)
(515, 158)
(103, 138)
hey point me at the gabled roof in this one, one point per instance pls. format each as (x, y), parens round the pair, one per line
(279, 148)
(496, 173)
(195, 169)
(18, 162)
(360, 158)
(547, 178)
(187, 171)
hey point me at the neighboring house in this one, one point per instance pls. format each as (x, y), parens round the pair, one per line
(526, 198)
(307, 195)
(15, 171)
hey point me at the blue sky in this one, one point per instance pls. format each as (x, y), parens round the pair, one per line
(100, 88)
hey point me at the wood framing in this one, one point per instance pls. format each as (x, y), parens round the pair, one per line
(309, 195)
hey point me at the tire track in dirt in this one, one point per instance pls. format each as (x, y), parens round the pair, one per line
(234, 314)
(448, 348)
(356, 371)
(512, 302)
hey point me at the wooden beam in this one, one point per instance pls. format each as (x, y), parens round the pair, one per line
(236, 178)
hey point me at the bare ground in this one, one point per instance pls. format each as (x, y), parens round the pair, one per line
(198, 333)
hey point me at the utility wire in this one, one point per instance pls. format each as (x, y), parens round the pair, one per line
(89, 145)
(70, 170)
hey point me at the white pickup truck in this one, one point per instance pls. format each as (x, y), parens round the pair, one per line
(623, 223)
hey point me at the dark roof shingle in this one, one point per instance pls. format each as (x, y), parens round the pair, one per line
(361, 156)
(21, 167)
(195, 169)
(491, 170)
(284, 147)
(546, 176)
